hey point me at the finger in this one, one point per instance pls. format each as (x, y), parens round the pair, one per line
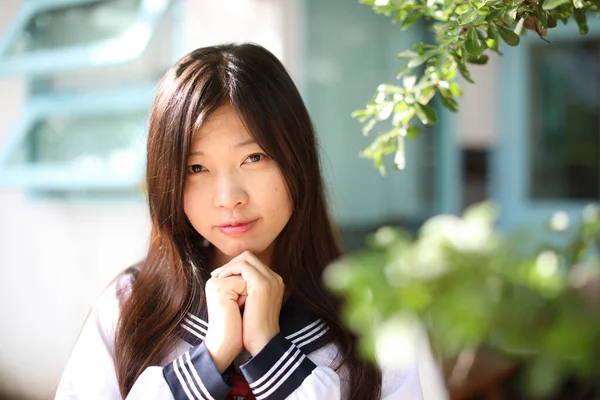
(234, 283)
(267, 272)
(250, 258)
(242, 268)
(241, 300)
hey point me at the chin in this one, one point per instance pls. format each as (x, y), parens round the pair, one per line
(235, 249)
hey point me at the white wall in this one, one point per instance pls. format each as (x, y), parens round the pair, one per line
(55, 258)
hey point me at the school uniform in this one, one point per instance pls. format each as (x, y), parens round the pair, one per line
(296, 364)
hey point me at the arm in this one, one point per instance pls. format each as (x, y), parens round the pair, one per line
(282, 371)
(193, 375)
(90, 372)
(278, 369)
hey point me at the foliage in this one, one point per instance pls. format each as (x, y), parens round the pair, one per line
(472, 287)
(465, 32)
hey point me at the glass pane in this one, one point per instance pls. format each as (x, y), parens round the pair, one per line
(93, 142)
(76, 25)
(149, 67)
(565, 121)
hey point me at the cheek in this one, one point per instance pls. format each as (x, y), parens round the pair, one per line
(278, 197)
(193, 205)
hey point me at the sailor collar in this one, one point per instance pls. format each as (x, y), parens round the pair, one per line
(299, 325)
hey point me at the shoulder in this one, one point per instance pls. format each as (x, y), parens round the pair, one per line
(105, 312)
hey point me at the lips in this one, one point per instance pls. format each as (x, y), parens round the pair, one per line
(235, 228)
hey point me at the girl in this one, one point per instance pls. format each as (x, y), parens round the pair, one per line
(229, 302)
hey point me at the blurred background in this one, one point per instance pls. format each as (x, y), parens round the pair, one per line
(76, 82)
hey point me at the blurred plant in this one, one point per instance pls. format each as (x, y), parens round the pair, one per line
(472, 287)
(465, 30)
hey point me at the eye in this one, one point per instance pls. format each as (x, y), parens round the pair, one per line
(254, 158)
(196, 168)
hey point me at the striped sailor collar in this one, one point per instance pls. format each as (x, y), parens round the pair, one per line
(299, 325)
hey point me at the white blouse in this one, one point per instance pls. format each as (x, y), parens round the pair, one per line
(296, 364)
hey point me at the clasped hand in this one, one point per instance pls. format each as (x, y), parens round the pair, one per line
(246, 281)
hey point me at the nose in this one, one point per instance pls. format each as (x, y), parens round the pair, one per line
(230, 191)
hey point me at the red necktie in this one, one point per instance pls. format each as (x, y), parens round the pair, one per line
(241, 389)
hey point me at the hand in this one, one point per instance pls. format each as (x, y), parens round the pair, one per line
(224, 335)
(265, 294)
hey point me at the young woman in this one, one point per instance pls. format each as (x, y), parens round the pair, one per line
(229, 302)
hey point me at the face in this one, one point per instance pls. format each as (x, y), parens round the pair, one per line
(235, 195)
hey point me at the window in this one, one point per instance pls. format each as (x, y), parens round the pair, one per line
(92, 141)
(51, 36)
(92, 67)
(565, 134)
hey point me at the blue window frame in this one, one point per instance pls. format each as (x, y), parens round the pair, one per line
(41, 40)
(81, 136)
(548, 151)
(90, 141)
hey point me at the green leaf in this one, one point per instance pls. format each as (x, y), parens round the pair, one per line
(552, 4)
(473, 44)
(509, 37)
(475, 4)
(462, 68)
(415, 62)
(413, 131)
(407, 55)
(479, 60)
(552, 21)
(542, 17)
(448, 70)
(492, 31)
(448, 101)
(581, 20)
(426, 114)
(481, 33)
(402, 72)
(378, 163)
(467, 17)
(455, 89)
(493, 45)
(361, 115)
(407, 116)
(425, 94)
(410, 20)
(494, 15)
(510, 16)
(368, 126)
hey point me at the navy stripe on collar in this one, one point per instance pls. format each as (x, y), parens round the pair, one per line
(298, 325)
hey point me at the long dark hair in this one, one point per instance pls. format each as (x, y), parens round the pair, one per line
(170, 281)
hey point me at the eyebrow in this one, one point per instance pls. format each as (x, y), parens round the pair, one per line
(245, 143)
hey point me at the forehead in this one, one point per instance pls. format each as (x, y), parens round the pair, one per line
(224, 124)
